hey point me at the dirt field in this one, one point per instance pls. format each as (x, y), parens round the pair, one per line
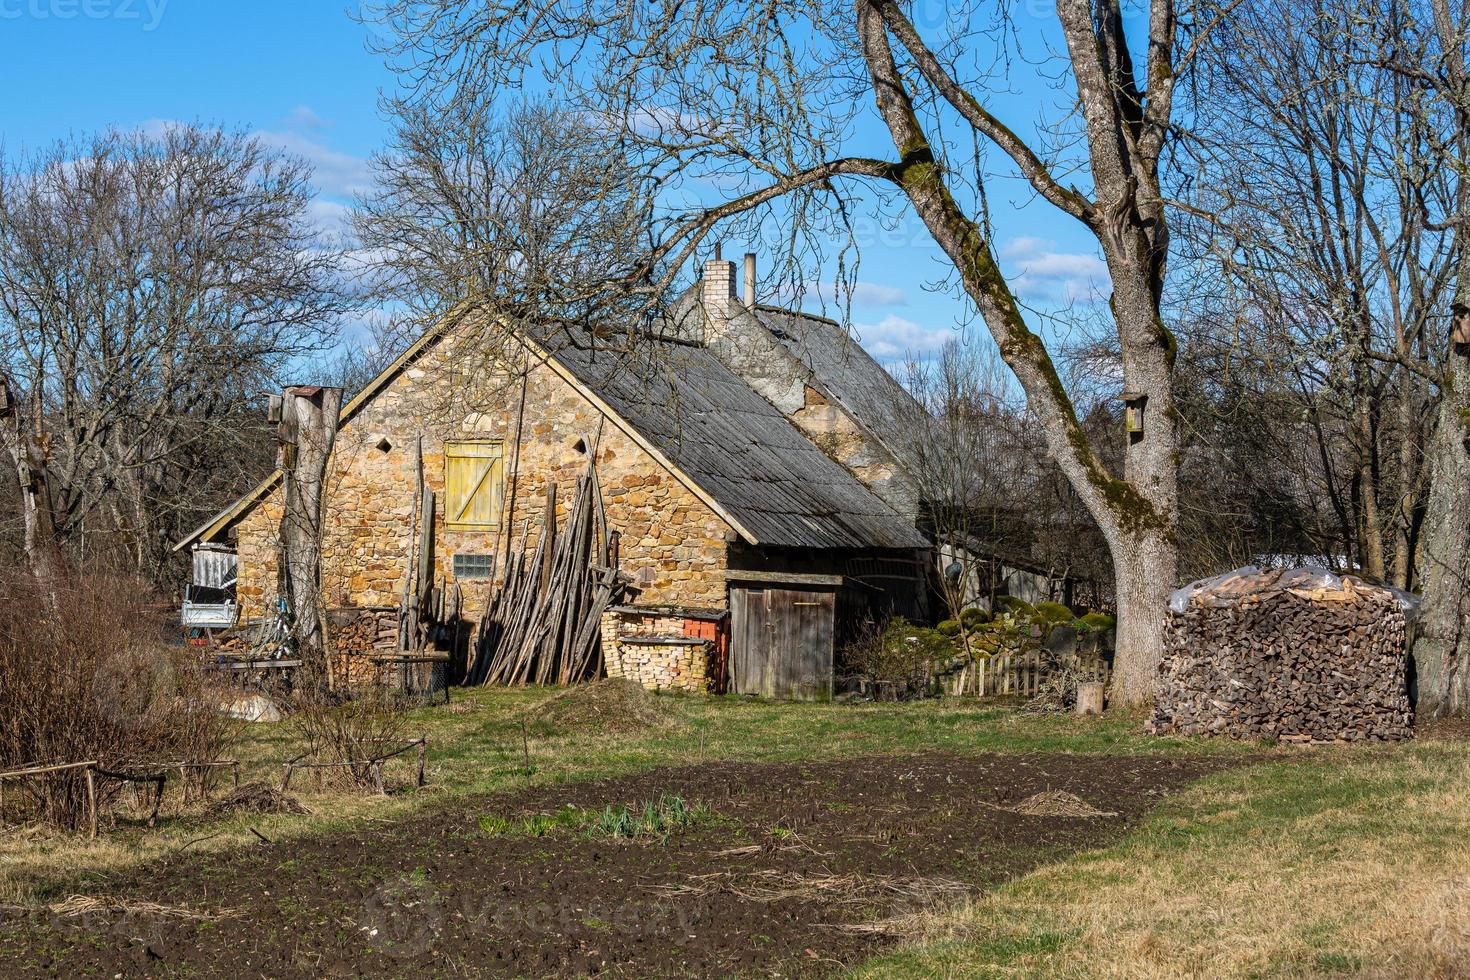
(794, 869)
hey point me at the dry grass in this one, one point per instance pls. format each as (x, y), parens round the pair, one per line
(89, 905)
(611, 706)
(1057, 803)
(1341, 863)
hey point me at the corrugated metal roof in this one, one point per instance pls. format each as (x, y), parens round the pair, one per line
(710, 424)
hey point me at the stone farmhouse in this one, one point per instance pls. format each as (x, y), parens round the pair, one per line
(749, 457)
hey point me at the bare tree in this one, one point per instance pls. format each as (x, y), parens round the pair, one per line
(1430, 50)
(528, 213)
(751, 108)
(1320, 177)
(967, 457)
(150, 287)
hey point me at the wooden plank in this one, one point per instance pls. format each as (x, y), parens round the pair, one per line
(784, 578)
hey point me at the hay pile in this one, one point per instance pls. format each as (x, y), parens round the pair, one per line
(612, 705)
(1057, 803)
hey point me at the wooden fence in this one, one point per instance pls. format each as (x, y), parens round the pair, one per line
(1014, 675)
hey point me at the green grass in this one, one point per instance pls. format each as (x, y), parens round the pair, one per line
(1343, 862)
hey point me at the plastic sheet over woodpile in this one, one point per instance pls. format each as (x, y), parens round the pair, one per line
(1297, 655)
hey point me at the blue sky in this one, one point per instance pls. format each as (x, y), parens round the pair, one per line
(300, 74)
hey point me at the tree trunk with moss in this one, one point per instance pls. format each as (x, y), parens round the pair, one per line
(1136, 511)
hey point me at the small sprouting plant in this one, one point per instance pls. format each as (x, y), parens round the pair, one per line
(659, 818)
(536, 825)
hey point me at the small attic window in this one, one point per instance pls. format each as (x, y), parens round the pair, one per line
(384, 445)
(580, 445)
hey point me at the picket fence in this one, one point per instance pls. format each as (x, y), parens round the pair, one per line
(1013, 675)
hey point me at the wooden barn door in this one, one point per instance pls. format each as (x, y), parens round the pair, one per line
(781, 642)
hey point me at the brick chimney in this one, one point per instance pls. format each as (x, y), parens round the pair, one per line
(718, 293)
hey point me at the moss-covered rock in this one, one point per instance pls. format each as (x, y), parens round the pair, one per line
(1052, 613)
(974, 616)
(1012, 606)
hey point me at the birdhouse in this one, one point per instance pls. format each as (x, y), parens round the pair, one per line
(1133, 405)
(1460, 327)
(274, 408)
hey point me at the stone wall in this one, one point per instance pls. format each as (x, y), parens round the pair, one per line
(664, 649)
(673, 544)
(748, 349)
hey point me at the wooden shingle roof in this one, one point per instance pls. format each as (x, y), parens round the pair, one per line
(780, 488)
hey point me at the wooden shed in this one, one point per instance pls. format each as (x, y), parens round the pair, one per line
(783, 634)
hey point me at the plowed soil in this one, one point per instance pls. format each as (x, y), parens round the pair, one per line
(798, 870)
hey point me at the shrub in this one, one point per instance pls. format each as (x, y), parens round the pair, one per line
(356, 730)
(86, 677)
(1050, 614)
(1012, 606)
(949, 627)
(1097, 623)
(898, 652)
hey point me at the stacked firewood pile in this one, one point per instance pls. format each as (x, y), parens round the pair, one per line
(543, 622)
(357, 636)
(1298, 655)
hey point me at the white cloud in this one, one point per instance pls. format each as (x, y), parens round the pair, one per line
(877, 294)
(335, 174)
(331, 216)
(1038, 273)
(305, 117)
(895, 337)
(822, 291)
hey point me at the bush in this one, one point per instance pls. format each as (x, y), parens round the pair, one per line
(950, 627)
(355, 730)
(1050, 614)
(1012, 606)
(1097, 623)
(899, 653)
(87, 677)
